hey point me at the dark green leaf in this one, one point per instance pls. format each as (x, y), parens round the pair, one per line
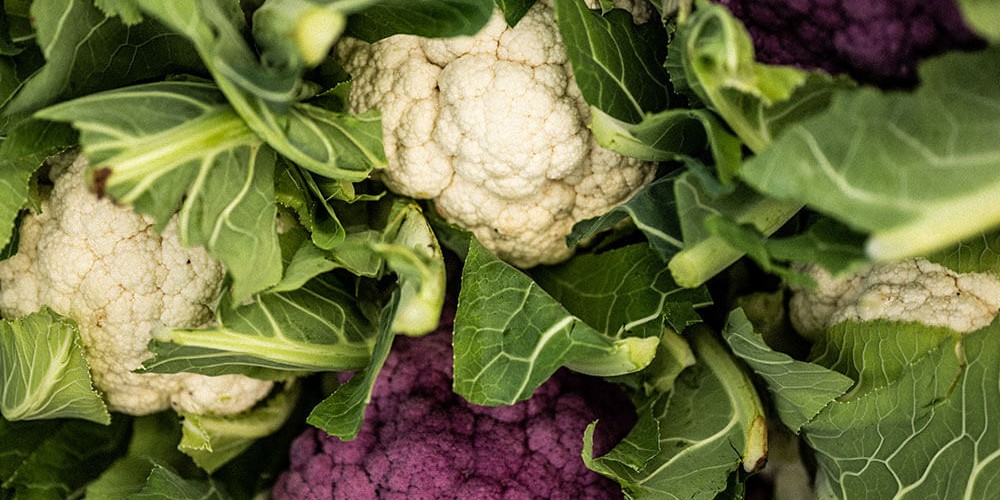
(427, 18)
(514, 10)
(317, 327)
(343, 412)
(928, 433)
(800, 390)
(623, 292)
(164, 484)
(617, 65)
(980, 254)
(510, 336)
(56, 458)
(711, 423)
(87, 52)
(24, 150)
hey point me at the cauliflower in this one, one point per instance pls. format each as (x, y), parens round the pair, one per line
(421, 440)
(910, 290)
(493, 129)
(104, 266)
(878, 41)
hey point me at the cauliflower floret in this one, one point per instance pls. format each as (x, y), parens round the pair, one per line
(493, 128)
(911, 290)
(106, 268)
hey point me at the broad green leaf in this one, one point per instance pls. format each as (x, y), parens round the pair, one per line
(635, 450)
(716, 62)
(626, 292)
(57, 458)
(673, 356)
(673, 134)
(711, 423)
(426, 18)
(510, 336)
(799, 390)
(335, 145)
(918, 170)
(190, 151)
(86, 52)
(164, 484)
(874, 354)
(342, 413)
(983, 16)
(927, 434)
(514, 10)
(317, 327)
(212, 441)
(44, 372)
(652, 209)
(617, 65)
(153, 442)
(980, 254)
(21, 153)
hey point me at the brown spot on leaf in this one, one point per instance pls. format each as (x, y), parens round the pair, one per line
(100, 177)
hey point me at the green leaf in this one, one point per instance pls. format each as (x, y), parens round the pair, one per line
(673, 134)
(21, 153)
(56, 458)
(916, 169)
(510, 335)
(626, 292)
(875, 353)
(335, 145)
(126, 10)
(342, 413)
(191, 152)
(651, 209)
(426, 18)
(927, 434)
(980, 254)
(618, 66)
(514, 10)
(317, 327)
(711, 423)
(704, 255)
(164, 484)
(983, 16)
(799, 390)
(826, 243)
(634, 451)
(716, 62)
(44, 372)
(212, 441)
(86, 52)
(298, 191)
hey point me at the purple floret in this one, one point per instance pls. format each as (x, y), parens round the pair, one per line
(874, 41)
(421, 441)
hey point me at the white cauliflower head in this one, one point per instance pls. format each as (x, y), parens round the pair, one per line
(493, 128)
(106, 268)
(910, 290)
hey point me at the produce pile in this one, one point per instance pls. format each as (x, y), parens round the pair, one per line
(499, 249)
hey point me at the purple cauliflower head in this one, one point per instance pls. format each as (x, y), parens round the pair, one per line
(422, 441)
(874, 41)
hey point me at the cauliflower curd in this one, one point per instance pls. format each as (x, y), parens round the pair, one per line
(493, 129)
(107, 269)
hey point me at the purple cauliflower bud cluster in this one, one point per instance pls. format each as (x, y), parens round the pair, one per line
(874, 41)
(421, 441)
